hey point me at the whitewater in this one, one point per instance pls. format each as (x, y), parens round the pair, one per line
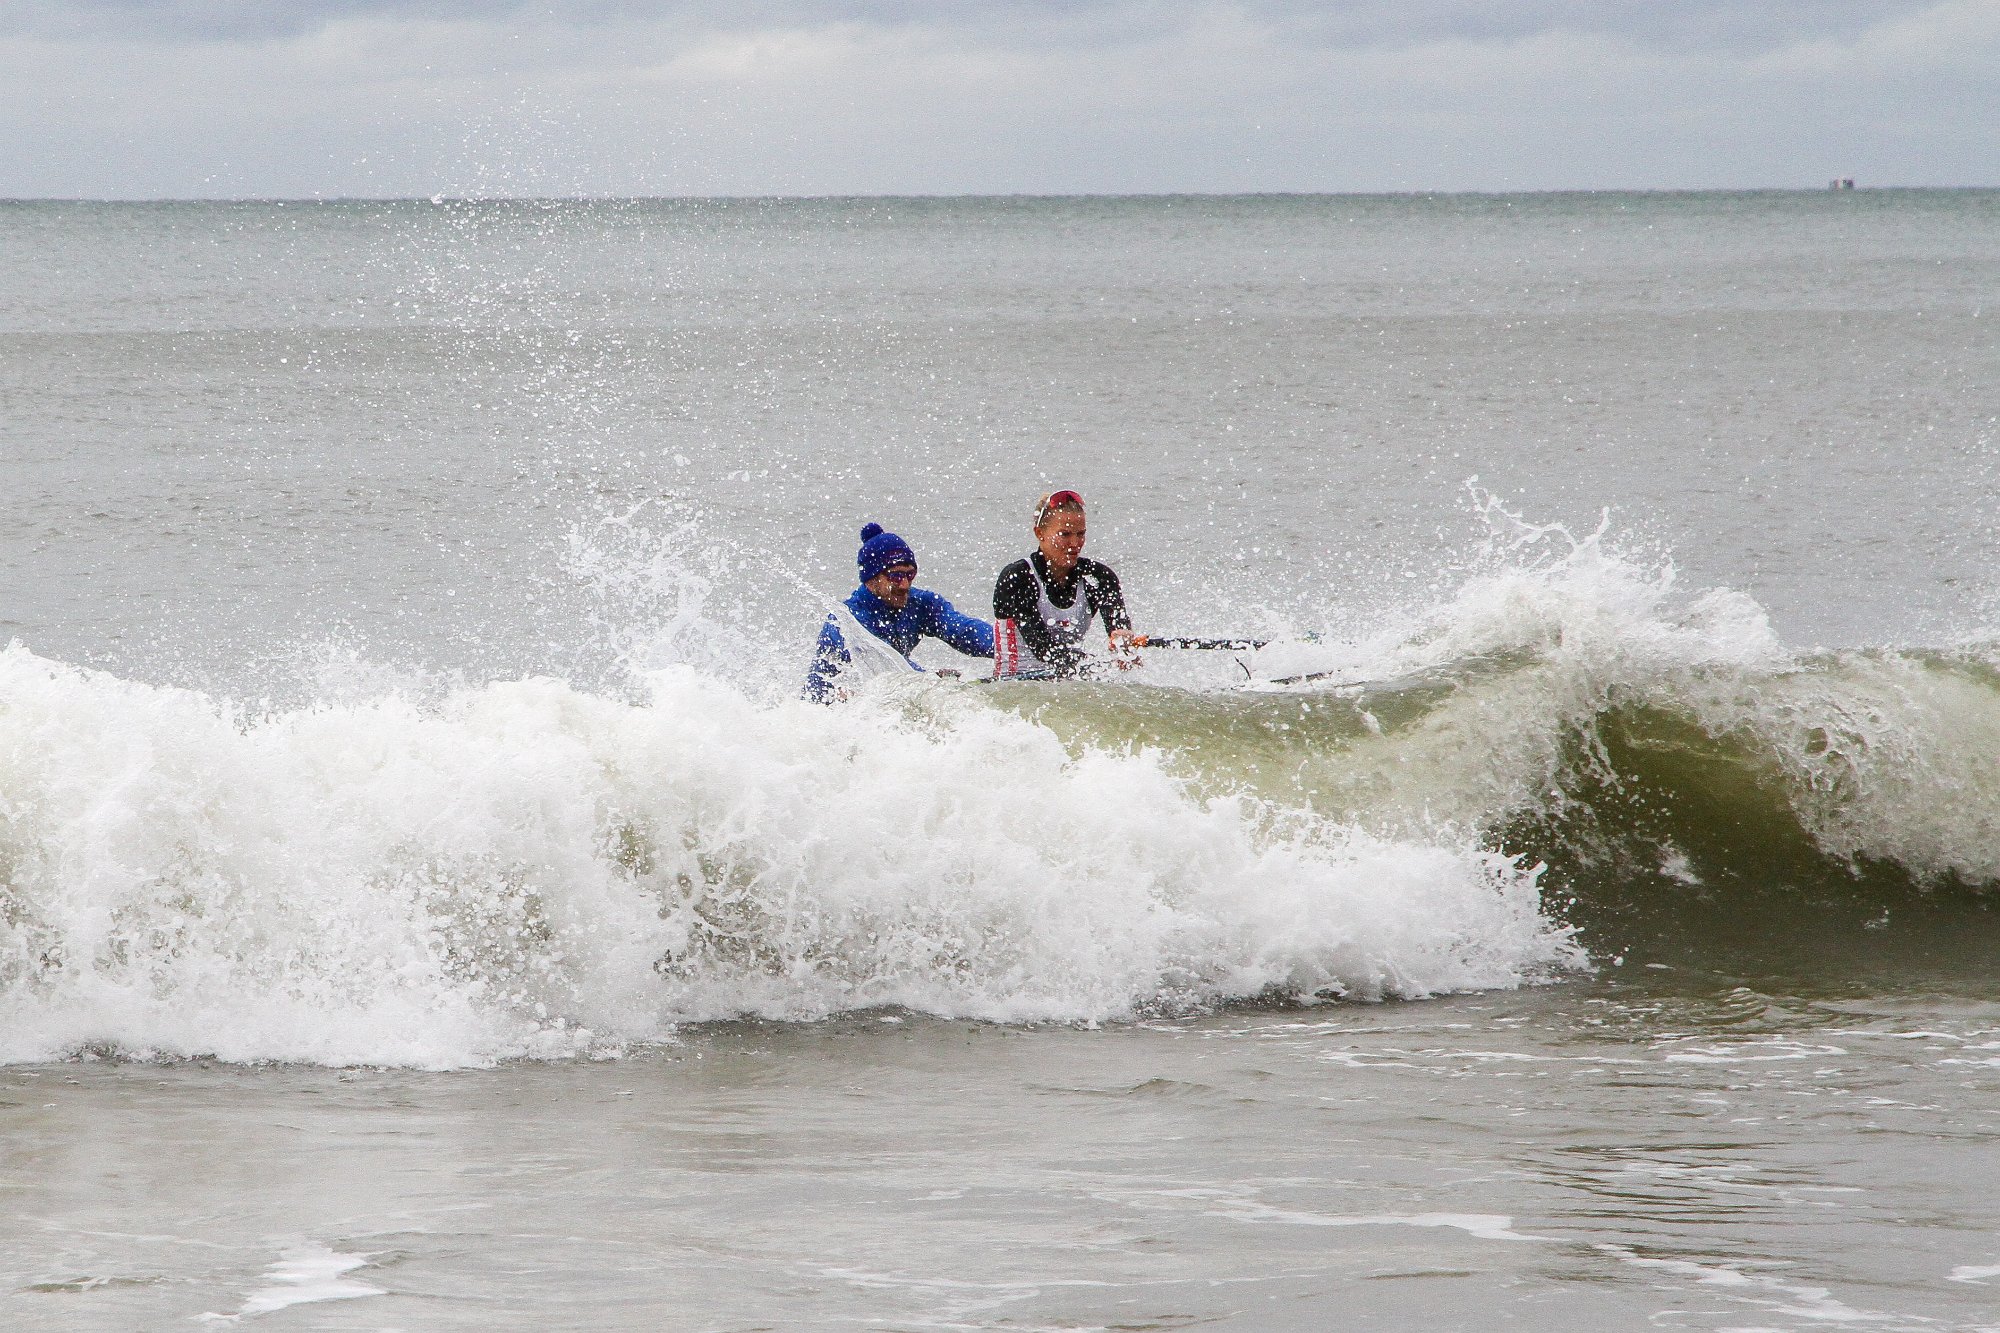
(525, 870)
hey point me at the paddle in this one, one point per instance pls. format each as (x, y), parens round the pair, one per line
(1183, 641)
(1312, 676)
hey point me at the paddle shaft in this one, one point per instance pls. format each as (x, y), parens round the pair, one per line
(1183, 641)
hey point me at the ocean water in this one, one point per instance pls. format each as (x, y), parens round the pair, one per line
(426, 904)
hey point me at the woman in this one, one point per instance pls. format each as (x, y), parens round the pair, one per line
(1043, 605)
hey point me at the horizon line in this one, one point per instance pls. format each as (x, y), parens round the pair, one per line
(441, 199)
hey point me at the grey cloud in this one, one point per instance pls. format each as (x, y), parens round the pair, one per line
(1680, 25)
(209, 97)
(220, 20)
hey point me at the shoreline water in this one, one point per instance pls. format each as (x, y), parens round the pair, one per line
(1408, 1161)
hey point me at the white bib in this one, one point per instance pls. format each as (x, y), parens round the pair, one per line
(1066, 624)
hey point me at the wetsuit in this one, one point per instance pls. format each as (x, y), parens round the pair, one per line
(925, 616)
(1052, 617)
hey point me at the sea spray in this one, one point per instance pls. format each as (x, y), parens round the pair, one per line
(660, 588)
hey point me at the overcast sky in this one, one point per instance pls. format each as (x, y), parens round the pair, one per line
(324, 98)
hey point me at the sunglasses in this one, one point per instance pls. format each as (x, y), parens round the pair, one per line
(900, 575)
(1055, 502)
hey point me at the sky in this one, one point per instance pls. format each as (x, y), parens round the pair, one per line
(142, 99)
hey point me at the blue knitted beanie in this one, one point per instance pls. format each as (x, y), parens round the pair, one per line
(881, 550)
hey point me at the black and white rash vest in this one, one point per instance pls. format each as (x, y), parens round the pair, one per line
(1050, 620)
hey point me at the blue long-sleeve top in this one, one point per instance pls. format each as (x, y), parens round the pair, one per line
(925, 616)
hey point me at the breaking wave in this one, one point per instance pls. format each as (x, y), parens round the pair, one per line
(528, 870)
(1565, 752)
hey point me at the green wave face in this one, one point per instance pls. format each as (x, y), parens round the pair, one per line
(1834, 812)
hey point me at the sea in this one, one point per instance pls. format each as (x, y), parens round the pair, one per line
(426, 902)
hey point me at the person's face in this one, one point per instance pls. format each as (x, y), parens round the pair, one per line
(1061, 540)
(892, 585)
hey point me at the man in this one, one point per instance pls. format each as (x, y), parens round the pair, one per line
(1051, 597)
(889, 606)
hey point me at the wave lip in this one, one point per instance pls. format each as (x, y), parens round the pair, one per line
(1662, 752)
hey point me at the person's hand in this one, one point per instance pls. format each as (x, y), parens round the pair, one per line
(1125, 647)
(947, 673)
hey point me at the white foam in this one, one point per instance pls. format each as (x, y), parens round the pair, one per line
(527, 869)
(1484, 1226)
(304, 1275)
(1760, 1291)
(1776, 1049)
